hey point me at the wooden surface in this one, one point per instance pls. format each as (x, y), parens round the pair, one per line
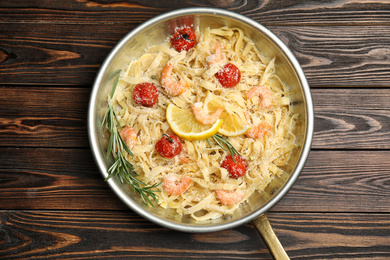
(54, 203)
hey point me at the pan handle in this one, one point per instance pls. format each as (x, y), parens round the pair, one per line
(267, 233)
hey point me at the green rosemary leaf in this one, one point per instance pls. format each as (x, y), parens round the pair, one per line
(113, 167)
(104, 121)
(153, 186)
(111, 171)
(125, 147)
(145, 198)
(115, 83)
(117, 122)
(110, 145)
(130, 167)
(208, 141)
(219, 143)
(116, 149)
(223, 143)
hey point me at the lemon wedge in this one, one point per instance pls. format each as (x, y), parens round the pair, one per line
(233, 117)
(184, 124)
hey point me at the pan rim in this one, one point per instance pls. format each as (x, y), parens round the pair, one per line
(195, 227)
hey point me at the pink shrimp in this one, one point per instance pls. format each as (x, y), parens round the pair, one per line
(217, 56)
(172, 87)
(183, 158)
(183, 154)
(264, 93)
(174, 186)
(259, 130)
(129, 136)
(247, 117)
(230, 197)
(204, 118)
(256, 131)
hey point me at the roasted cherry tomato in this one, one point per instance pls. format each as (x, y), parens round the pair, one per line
(183, 39)
(229, 75)
(169, 146)
(236, 168)
(145, 94)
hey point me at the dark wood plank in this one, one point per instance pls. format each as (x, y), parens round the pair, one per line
(43, 117)
(54, 203)
(351, 118)
(124, 235)
(341, 181)
(339, 56)
(82, 12)
(63, 54)
(52, 54)
(53, 179)
(282, 12)
(56, 117)
(357, 181)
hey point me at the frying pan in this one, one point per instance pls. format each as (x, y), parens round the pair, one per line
(152, 32)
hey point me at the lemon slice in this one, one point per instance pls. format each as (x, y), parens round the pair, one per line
(233, 117)
(184, 124)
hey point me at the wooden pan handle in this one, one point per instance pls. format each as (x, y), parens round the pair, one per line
(271, 240)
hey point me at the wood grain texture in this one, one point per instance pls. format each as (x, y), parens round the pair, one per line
(345, 118)
(43, 117)
(54, 203)
(358, 181)
(124, 235)
(65, 54)
(282, 12)
(351, 118)
(341, 181)
(53, 179)
(339, 56)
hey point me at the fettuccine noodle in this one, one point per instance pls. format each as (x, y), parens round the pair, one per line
(265, 156)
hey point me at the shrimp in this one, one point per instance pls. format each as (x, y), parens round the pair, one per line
(171, 87)
(183, 154)
(264, 93)
(173, 186)
(230, 197)
(129, 136)
(256, 131)
(217, 56)
(204, 118)
(259, 130)
(183, 158)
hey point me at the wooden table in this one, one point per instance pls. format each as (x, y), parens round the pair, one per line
(54, 202)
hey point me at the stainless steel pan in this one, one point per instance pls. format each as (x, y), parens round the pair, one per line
(288, 68)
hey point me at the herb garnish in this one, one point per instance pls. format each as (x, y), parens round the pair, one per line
(223, 143)
(185, 36)
(117, 148)
(168, 138)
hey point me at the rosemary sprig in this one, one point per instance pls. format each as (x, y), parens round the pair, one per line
(116, 149)
(225, 145)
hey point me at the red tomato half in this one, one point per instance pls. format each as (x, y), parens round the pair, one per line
(229, 75)
(183, 39)
(236, 168)
(145, 94)
(168, 146)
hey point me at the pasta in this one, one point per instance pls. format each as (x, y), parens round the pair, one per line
(265, 155)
